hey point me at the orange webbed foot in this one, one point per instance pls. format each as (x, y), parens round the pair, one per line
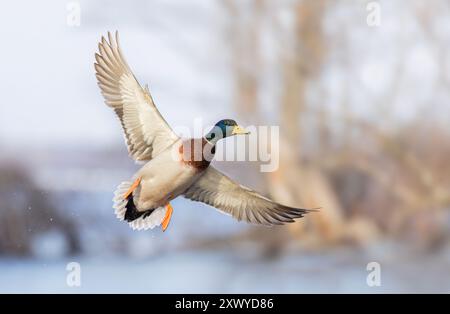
(166, 220)
(132, 188)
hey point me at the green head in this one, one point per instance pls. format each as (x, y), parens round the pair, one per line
(224, 128)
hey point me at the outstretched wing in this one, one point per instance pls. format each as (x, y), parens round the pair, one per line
(216, 189)
(146, 131)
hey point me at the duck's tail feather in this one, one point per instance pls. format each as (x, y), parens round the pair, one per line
(126, 210)
(149, 221)
(120, 203)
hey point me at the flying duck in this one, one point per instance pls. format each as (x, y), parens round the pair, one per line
(173, 166)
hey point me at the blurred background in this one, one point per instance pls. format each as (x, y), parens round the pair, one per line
(362, 101)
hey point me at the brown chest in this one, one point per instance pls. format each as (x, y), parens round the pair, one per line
(197, 153)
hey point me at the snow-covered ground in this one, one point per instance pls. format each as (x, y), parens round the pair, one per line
(330, 271)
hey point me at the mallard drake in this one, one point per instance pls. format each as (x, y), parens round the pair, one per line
(171, 169)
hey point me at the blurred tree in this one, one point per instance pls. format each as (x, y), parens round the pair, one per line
(300, 55)
(25, 212)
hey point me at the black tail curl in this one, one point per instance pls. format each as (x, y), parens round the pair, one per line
(132, 213)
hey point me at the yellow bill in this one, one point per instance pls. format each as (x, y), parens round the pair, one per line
(239, 130)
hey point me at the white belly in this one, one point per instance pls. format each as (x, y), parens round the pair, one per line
(162, 179)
